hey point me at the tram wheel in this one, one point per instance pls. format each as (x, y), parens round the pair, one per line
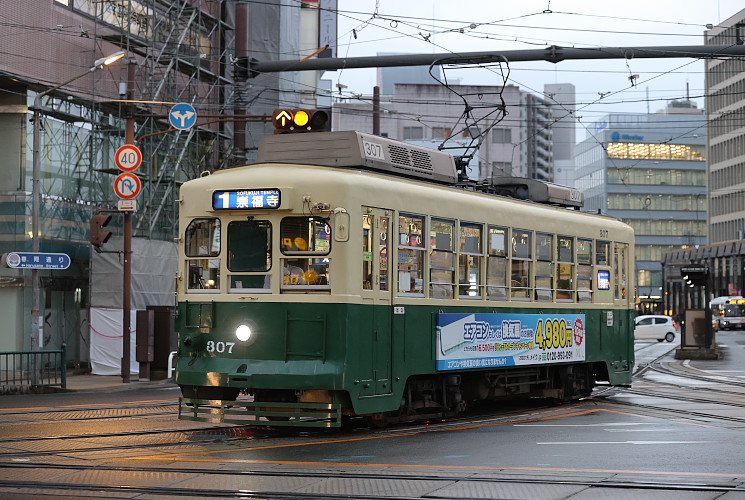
(275, 397)
(205, 392)
(210, 393)
(377, 420)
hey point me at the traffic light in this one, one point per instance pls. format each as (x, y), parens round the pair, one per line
(99, 235)
(288, 121)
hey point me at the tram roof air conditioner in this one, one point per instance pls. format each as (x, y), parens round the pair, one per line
(350, 149)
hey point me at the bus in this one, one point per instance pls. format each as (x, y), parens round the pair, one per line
(728, 312)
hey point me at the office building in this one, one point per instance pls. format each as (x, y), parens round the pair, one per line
(649, 170)
(725, 106)
(517, 143)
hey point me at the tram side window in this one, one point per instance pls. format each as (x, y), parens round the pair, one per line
(602, 253)
(584, 270)
(620, 256)
(442, 259)
(249, 251)
(411, 249)
(469, 259)
(305, 241)
(566, 282)
(496, 264)
(544, 267)
(375, 239)
(383, 251)
(522, 255)
(202, 239)
(368, 229)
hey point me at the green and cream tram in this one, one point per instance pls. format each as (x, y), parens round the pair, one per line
(346, 274)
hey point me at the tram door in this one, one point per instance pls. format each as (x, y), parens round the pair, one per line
(376, 297)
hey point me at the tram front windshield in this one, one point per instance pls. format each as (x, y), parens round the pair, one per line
(246, 261)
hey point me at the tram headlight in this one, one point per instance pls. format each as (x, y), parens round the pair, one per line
(243, 332)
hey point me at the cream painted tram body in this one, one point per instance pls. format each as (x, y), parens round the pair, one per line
(350, 275)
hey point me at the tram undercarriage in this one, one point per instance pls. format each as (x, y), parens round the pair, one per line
(425, 397)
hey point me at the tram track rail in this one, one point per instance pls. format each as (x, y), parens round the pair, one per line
(181, 440)
(720, 392)
(434, 481)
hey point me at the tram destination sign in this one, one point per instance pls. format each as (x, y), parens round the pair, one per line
(36, 260)
(246, 199)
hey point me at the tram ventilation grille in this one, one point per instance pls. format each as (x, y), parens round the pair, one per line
(411, 158)
(421, 160)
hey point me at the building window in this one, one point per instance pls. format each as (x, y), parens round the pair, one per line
(440, 132)
(471, 132)
(644, 151)
(411, 133)
(501, 136)
(501, 168)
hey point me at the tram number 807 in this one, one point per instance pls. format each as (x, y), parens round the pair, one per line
(220, 347)
(553, 335)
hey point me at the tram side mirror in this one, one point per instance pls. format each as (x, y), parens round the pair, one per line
(341, 225)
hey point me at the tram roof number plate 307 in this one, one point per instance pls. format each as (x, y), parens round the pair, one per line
(246, 199)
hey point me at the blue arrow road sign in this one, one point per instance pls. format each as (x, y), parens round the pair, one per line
(36, 260)
(183, 116)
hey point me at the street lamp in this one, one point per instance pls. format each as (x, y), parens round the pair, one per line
(36, 330)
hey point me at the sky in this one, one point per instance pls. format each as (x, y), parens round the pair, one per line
(369, 27)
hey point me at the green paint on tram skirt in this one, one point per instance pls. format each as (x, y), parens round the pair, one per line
(364, 351)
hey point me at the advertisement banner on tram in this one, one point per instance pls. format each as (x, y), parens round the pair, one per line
(498, 339)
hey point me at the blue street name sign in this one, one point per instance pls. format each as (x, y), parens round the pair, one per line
(36, 260)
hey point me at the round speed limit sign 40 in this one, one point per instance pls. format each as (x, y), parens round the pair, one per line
(128, 158)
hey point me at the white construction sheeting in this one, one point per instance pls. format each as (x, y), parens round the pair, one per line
(107, 346)
(154, 265)
(153, 274)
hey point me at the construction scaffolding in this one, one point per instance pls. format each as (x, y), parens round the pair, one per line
(182, 52)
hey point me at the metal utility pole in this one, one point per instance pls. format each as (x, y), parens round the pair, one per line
(376, 110)
(554, 54)
(129, 138)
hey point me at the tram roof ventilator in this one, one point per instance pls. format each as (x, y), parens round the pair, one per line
(347, 149)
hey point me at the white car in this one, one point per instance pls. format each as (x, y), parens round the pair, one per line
(655, 327)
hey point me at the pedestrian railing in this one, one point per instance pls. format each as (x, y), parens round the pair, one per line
(23, 370)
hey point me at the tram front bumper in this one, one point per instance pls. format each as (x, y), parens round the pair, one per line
(261, 413)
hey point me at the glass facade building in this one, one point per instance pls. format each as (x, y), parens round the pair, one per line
(649, 170)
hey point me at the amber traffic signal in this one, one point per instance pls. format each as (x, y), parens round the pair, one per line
(99, 235)
(288, 121)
